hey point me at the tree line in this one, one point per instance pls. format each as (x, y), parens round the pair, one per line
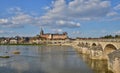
(111, 36)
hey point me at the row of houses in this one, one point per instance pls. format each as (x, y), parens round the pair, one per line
(30, 40)
(14, 40)
(41, 38)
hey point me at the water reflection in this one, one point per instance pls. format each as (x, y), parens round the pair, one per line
(98, 66)
(46, 59)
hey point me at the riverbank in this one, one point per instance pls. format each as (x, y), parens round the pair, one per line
(37, 44)
(24, 44)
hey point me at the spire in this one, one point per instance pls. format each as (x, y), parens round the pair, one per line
(41, 32)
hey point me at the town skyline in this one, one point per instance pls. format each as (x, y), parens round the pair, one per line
(79, 18)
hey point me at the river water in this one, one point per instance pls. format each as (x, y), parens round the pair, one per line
(48, 59)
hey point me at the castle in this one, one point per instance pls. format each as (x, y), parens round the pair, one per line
(49, 36)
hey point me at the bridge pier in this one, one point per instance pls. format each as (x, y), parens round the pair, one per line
(114, 61)
(96, 52)
(83, 48)
(96, 55)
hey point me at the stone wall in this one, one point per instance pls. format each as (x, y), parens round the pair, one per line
(114, 61)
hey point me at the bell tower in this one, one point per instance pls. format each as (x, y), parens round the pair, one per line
(41, 32)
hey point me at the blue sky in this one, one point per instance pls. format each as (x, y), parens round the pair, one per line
(80, 18)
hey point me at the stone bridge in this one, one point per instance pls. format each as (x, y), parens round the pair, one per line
(97, 49)
(107, 49)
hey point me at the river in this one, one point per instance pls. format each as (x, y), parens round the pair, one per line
(48, 59)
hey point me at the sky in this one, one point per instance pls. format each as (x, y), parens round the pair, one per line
(79, 18)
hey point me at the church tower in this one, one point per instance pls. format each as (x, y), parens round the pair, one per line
(41, 32)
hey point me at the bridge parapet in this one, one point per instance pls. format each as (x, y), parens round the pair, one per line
(100, 40)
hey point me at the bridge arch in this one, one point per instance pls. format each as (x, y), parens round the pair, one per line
(94, 44)
(87, 43)
(109, 48)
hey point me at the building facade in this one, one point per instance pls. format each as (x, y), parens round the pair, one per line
(49, 36)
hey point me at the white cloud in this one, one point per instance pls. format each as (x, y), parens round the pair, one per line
(6, 32)
(67, 15)
(105, 4)
(46, 8)
(76, 32)
(15, 10)
(117, 32)
(3, 21)
(19, 19)
(112, 13)
(16, 21)
(117, 18)
(117, 7)
(57, 30)
(67, 23)
(62, 14)
(88, 8)
(1, 31)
